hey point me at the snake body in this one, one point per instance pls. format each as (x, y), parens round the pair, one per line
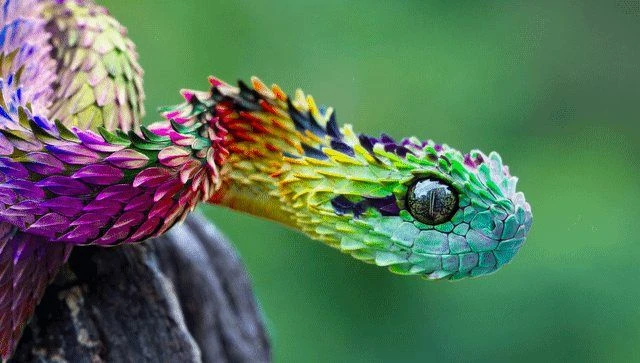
(78, 168)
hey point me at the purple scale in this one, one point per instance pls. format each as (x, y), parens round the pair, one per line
(17, 219)
(24, 188)
(129, 220)
(105, 207)
(128, 159)
(74, 154)
(45, 125)
(172, 217)
(151, 177)
(29, 207)
(49, 225)
(95, 219)
(112, 236)
(99, 174)
(473, 162)
(44, 164)
(388, 206)
(181, 140)
(6, 148)
(188, 198)
(27, 145)
(12, 212)
(140, 203)
(80, 234)
(161, 208)
(173, 156)
(119, 192)
(170, 188)
(62, 185)
(11, 168)
(146, 229)
(8, 196)
(67, 206)
(96, 142)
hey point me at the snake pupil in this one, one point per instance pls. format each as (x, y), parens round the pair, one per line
(432, 201)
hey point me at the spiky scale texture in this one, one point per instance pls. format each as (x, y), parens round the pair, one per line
(25, 260)
(53, 58)
(25, 50)
(323, 164)
(78, 180)
(82, 187)
(99, 80)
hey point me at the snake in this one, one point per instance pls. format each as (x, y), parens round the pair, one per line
(78, 167)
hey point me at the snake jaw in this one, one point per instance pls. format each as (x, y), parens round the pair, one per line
(371, 221)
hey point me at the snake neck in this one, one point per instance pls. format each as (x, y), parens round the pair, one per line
(258, 129)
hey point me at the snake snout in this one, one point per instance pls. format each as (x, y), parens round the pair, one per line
(499, 229)
(514, 229)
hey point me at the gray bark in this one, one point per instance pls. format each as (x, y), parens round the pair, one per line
(184, 297)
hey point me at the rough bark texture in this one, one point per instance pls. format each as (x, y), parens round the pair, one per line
(184, 297)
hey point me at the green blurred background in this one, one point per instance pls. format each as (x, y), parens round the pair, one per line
(553, 86)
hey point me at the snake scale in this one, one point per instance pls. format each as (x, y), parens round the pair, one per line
(77, 167)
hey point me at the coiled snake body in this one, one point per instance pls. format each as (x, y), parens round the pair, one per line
(78, 168)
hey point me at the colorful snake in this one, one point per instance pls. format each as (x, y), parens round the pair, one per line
(78, 168)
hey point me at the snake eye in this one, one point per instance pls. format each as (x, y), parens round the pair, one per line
(432, 201)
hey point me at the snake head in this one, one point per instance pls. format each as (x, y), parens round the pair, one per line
(418, 208)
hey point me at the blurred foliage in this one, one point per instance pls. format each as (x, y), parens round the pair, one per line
(553, 86)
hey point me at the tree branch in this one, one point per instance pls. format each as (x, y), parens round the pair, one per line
(183, 297)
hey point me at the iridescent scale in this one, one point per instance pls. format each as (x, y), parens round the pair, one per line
(77, 167)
